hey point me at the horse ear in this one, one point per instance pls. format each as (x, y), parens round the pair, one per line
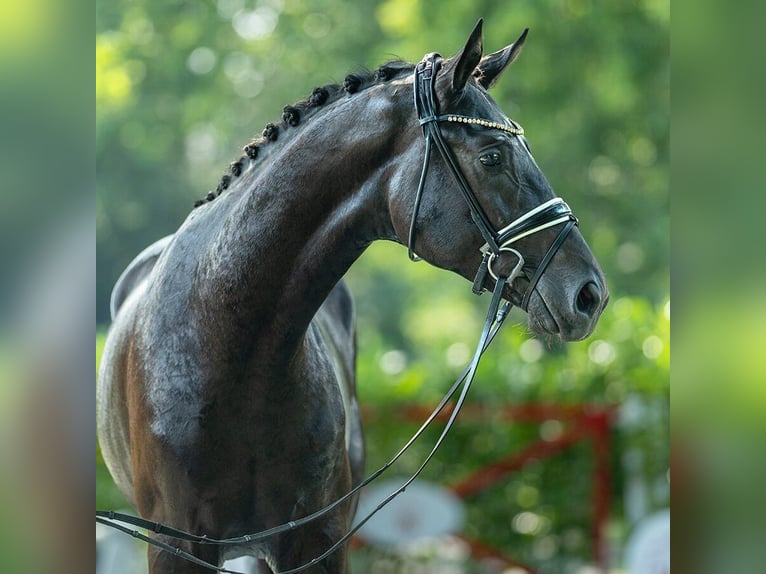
(491, 66)
(462, 65)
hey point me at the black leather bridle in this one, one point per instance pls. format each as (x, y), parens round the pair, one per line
(548, 214)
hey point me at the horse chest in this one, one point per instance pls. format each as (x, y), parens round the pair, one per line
(263, 428)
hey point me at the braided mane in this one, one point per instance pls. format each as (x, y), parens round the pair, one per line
(293, 115)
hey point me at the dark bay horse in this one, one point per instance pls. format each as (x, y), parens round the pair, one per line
(226, 400)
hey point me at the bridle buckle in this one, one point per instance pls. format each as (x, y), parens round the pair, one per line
(516, 270)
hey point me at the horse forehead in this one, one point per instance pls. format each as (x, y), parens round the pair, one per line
(481, 104)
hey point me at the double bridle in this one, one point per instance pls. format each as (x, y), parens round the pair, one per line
(546, 215)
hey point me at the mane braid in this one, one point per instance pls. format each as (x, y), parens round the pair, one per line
(271, 132)
(293, 115)
(318, 97)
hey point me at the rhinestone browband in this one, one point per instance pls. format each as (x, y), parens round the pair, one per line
(517, 131)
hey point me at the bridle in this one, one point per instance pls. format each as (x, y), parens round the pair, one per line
(548, 214)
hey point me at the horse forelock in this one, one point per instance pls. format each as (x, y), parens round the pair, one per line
(294, 115)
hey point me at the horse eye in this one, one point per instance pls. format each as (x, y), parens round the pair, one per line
(490, 159)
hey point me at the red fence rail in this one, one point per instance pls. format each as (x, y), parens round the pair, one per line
(581, 423)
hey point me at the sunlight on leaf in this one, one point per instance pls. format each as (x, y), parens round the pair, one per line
(113, 82)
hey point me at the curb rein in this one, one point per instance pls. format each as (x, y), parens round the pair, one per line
(548, 214)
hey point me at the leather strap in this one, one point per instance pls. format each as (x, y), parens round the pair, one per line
(545, 261)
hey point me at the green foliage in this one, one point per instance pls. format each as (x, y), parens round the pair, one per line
(625, 362)
(183, 85)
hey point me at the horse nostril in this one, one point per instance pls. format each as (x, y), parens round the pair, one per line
(589, 298)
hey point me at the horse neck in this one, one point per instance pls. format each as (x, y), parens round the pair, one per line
(294, 226)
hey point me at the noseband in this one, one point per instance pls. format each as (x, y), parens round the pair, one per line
(548, 214)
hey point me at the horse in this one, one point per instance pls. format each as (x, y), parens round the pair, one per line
(226, 392)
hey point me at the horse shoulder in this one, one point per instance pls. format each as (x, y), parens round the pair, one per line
(136, 271)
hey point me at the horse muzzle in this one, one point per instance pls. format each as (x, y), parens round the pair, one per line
(576, 317)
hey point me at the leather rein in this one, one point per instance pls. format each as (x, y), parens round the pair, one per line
(546, 215)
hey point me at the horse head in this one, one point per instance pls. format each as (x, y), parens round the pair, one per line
(483, 200)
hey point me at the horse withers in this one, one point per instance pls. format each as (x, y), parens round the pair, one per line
(226, 400)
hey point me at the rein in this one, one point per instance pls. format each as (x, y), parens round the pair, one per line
(546, 215)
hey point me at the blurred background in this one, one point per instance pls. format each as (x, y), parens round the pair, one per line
(182, 86)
